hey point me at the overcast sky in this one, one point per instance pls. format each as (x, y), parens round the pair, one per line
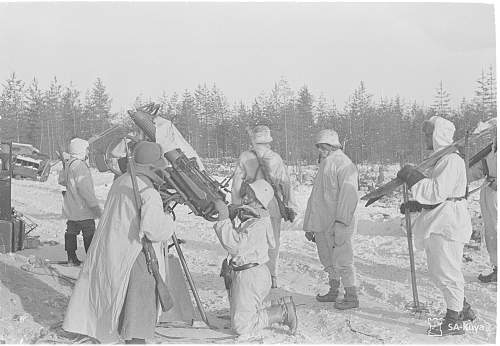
(148, 48)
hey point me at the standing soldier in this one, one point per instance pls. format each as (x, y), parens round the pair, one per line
(262, 163)
(246, 274)
(115, 296)
(444, 225)
(80, 205)
(330, 218)
(487, 168)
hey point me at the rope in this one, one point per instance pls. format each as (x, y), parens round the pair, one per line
(348, 322)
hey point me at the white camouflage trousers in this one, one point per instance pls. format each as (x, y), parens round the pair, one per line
(488, 202)
(248, 290)
(444, 261)
(336, 255)
(274, 252)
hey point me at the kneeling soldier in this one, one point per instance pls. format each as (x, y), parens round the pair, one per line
(250, 279)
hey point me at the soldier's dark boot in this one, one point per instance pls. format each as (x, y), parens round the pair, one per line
(70, 247)
(491, 277)
(332, 294)
(467, 314)
(73, 260)
(350, 300)
(451, 325)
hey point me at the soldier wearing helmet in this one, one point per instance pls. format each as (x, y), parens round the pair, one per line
(263, 163)
(115, 296)
(245, 270)
(330, 218)
(80, 205)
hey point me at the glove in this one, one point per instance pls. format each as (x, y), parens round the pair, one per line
(310, 236)
(410, 175)
(97, 211)
(290, 214)
(233, 211)
(246, 212)
(122, 164)
(411, 206)
(221, 207)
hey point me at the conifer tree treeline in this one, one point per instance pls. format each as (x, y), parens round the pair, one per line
(384, 130)
(49, 118)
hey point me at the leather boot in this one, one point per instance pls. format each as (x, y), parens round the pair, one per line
(73, 260)
(332, 294)
(467, 314)
(491, 277)
(284, 313)
(451, 325)
(274, 282)
(350, 300)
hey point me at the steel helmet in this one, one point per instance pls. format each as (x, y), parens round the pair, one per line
(78, 148)
(328, 137)
(262, 134)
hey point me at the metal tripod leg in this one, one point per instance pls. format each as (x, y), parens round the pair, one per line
(190, 280)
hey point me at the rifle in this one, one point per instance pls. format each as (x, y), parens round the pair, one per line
(60, 156)
(428, 163)
(286, 213)
(147, 247)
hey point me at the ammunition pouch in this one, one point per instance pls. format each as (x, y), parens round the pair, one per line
(228, 268)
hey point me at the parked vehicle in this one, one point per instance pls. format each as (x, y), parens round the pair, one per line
(29, 163)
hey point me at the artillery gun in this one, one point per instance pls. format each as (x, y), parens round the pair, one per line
(185, 180)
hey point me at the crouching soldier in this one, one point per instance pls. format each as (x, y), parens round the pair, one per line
(487, 168)
(249, 276)
(443, 225)
(80, 205)
(330, 218)
(115, 296)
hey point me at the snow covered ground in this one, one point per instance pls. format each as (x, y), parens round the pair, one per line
(33, 295)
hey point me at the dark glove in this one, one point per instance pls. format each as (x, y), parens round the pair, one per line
(410, 175)
(233, 211)
(411, 206)
(221, 207)
(290, 214)
(310, 236)
(122, 164)
(246, 212)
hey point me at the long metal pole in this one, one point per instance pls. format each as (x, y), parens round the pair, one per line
(190, 279)
(410, 249)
